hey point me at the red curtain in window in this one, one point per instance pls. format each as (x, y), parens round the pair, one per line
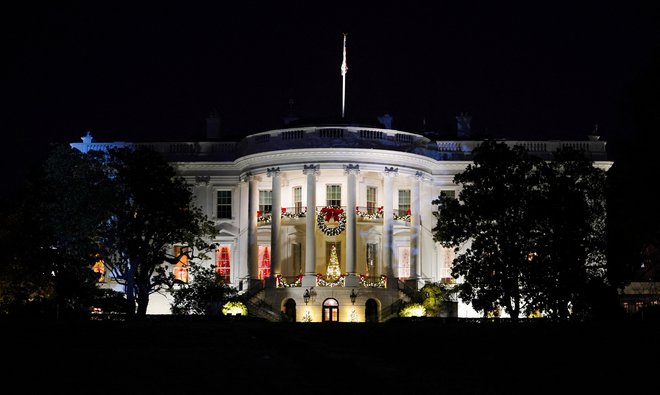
(222, 263)
(264, 263)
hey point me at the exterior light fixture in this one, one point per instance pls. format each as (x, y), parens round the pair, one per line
(306, 296)
(353, 296)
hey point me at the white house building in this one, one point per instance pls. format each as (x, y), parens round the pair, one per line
(328, 223)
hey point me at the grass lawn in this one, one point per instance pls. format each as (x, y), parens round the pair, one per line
(400, 357)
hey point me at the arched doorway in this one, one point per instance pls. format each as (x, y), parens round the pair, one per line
(330, 310)
(290, 311)
(371, 311)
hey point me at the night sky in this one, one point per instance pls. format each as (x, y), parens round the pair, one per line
(531, 70)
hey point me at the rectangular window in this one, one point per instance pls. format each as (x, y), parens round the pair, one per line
(265, 201)
(404, 261)
(297, 258)
(297, 200)
(404, 202)
(447, 256)
(223, 263)
(264, 262)
(333, 195)
(224, 204)
(448, 193)
(180, 270)
(371, 200)
(372, 259)
(99, 268)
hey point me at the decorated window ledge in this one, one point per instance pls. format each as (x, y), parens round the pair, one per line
(377, 214)
(373, 282)
(281, 282)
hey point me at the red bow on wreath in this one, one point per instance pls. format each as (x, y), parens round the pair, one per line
(331, 213)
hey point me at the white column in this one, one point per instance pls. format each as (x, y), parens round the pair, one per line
(309, 278)
(275, 227)
(415, 225)
(388, 223)
(351, 171)
(253, 246)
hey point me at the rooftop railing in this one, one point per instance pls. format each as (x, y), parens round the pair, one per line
(339, 137)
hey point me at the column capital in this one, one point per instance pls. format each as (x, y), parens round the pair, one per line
(273, 171)
(245, 177)
(352, 169)
(202, 180)
(421, 176)
(311, 169)
(391, 171)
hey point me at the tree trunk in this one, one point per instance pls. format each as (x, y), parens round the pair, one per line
(129, 289)
(142, 298)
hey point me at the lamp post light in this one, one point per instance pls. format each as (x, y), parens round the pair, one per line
(306, 296)
(353, 296)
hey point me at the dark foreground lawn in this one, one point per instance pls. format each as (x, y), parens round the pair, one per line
(400, 357)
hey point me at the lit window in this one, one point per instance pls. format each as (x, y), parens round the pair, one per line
(297, 199)
(372, 259)
(99, 267)
(404, 201)
(264, 262)
(266, 201)
(371, 200)
(224, 204)
(333, 195)
(223, 263)
(180, 270)
(404, 262)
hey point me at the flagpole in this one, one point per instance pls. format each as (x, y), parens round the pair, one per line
(344, 69)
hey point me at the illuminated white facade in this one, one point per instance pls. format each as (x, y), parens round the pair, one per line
(292, 204)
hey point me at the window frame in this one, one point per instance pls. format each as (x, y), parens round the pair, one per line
(333, 195)
(227, 208)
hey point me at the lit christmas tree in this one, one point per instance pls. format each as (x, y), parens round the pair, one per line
(332, 274)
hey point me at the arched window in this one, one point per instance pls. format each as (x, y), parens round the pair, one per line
(371, 311)
(290, 310)
(330, 310)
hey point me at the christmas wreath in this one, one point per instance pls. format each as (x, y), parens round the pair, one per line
(331, 213)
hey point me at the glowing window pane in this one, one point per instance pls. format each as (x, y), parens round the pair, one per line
(180, 270)
(99, 267)
(222, 262)
(404, 262)
(264, 262)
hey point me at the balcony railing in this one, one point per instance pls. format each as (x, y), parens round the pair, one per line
(322, 281)
(368, 214)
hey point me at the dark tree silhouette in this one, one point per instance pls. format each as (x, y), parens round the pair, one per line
(49, 236)
(491, 226)
(152, 210)
(529, 234)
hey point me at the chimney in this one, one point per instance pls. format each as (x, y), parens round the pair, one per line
(463, 126)
(594, 135)
(386, 121)
(213, 126)
(291, 114)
